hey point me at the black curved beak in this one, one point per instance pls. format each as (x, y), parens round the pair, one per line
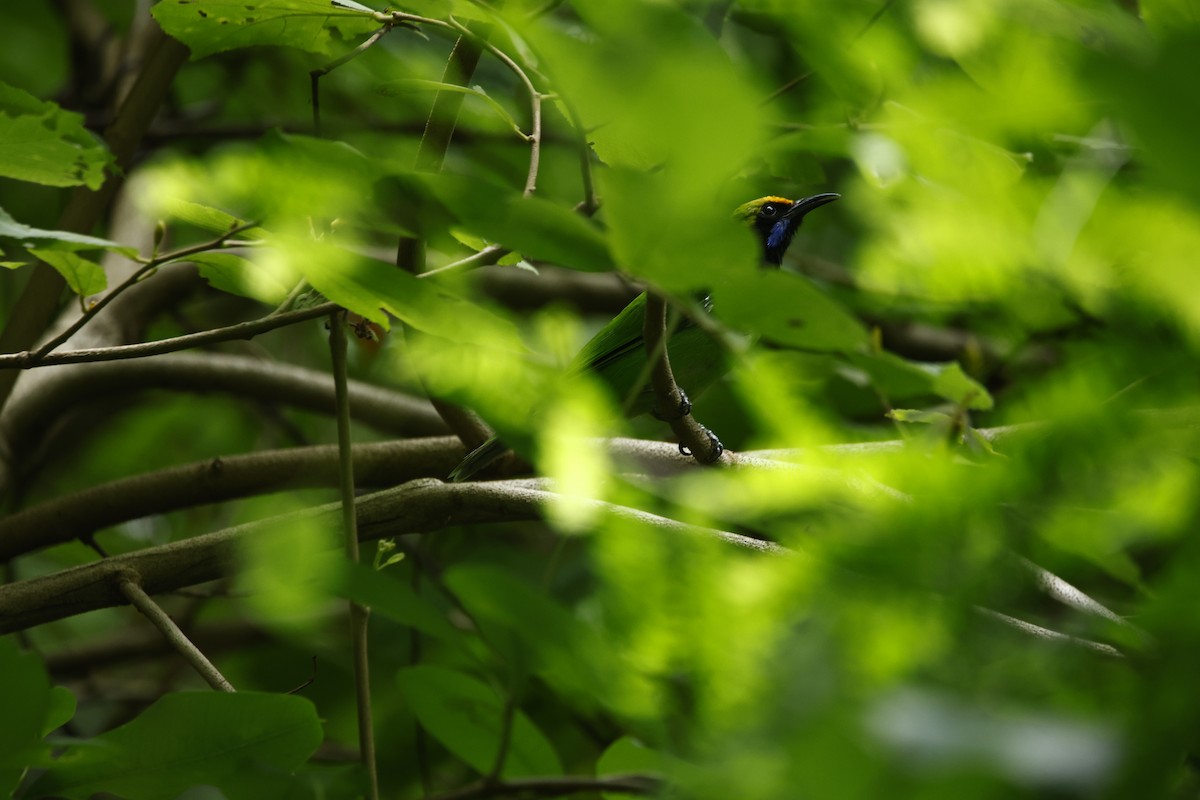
(802, 207)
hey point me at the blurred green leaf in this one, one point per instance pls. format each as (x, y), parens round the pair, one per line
(237, 275)
(789, 310)
(27, 700)
(244, 743)
(62, 709)
(394, 599)
(535, 227)
(466, 717)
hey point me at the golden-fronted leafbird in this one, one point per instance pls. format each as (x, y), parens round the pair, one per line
(617, 354)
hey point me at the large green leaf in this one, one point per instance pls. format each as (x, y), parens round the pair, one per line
(790, 310)
(213, 26)
(237, 275)
(466, 717)
(898, 378)
(394, 599)
(58, 240)
(535, 227)
(26, 700)
(245, 743)
(41, 143)
(564, 650)
(83, 276)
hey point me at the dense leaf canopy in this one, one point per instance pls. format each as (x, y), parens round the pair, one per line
(274, 267)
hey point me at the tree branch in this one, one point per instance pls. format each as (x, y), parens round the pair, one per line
(420, 506)
(38, 303)
(63, 519)
(129, 586)
(242, 330)
(358, 613)
(138, 274)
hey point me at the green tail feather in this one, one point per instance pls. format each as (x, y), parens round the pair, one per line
(479, 459)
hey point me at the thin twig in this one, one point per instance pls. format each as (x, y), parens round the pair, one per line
(242, 330)
(535, 102)
(142, 272)
(39, 301)
(484, 258)
(131, 588)
(316, 74)
(358, 613)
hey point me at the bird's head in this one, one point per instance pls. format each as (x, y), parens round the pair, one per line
(776, 219)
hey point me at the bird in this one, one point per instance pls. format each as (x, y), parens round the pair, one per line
(616, 354)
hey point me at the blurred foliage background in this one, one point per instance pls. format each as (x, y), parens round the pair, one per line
(971, 388)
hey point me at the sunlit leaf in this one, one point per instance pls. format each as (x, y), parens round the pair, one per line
(84, 277)
(41, 143)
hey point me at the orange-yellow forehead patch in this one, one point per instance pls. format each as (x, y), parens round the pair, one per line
(750, 210)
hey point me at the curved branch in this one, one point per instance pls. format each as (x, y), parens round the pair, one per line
(242, 330)
(32, 412)
(63, 519)
(420, 506)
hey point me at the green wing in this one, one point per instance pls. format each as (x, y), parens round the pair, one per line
(617, 355)
(621, 337)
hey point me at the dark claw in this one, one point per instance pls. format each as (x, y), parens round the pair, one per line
(714, 444)
(682, 410)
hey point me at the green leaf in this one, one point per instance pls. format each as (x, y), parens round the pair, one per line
(899, 378)
(627, 756)
(394, 599)
(208, 218)
(243, 743)
(214, 26)
(564, 650)
(466, 717)
(237, 275)
(25, 697)
(412, 85)
(920, 416)
(535, 227)
(58, 240)
(790, 310)
(41, 143)
(959, 388)
(84, 277)
(369, 288)
(62, 709)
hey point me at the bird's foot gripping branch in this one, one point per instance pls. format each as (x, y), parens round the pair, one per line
(694, 439)
(683, 408)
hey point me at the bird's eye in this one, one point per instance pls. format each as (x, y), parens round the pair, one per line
(768, 210)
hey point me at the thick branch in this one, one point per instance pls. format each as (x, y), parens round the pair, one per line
(272, 382)
(419, 506)
(63, 519)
